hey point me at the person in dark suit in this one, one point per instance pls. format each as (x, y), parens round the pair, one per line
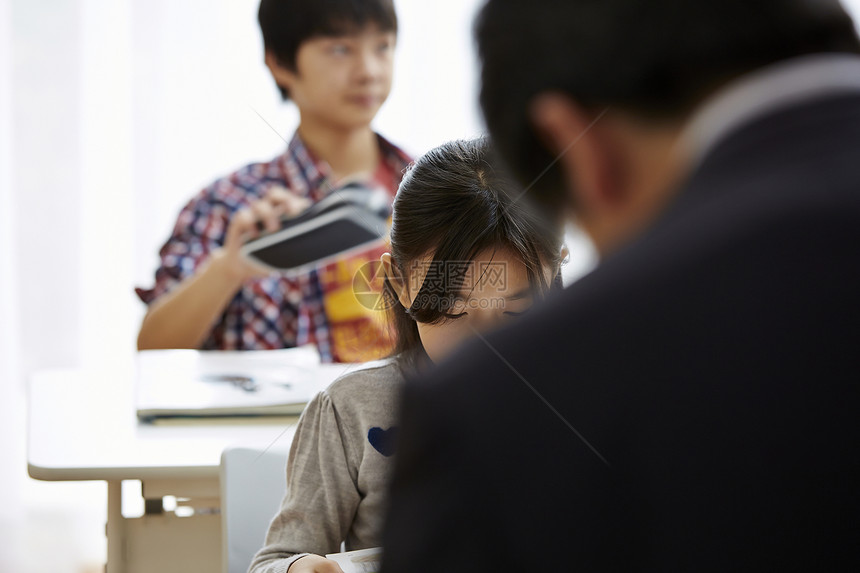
(692, 404)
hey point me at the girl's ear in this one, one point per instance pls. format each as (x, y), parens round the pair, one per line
(557, 280)
(396, 281)
(565, 255)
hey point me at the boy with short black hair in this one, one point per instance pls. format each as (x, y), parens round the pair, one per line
(286, 25)
(335, 61)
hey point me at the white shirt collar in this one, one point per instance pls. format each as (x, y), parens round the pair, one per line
(777, 86)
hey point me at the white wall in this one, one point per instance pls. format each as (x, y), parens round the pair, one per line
(8, 318)
(39, 191)
(44, 184)
(11, 419)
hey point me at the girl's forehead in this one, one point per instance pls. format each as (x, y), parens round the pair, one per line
(496, 270)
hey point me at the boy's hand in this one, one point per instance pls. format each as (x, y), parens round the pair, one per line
(314, 564)
(263, 215)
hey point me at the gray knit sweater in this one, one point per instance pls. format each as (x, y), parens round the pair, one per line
(337, 471)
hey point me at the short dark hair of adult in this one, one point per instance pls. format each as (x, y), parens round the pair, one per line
(286, 24)
(454, 202)
(655, 58)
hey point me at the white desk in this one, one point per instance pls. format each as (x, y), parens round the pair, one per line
(82, 426)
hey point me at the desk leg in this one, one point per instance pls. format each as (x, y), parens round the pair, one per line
(161, 540)
(115, 530)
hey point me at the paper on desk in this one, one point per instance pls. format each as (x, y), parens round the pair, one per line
(359, 561)
(229, 383)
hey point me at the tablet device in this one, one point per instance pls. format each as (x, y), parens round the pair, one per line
(346, 220)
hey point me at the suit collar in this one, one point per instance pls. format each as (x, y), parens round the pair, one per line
(770, 89)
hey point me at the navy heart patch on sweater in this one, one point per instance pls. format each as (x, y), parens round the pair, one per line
(383, 441)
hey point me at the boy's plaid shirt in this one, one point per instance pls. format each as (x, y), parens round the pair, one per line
(278, 312)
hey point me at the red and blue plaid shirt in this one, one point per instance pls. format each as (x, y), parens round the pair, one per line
(316, 307)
